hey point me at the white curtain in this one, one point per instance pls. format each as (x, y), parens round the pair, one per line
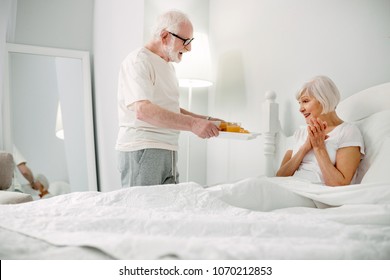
(7, 30)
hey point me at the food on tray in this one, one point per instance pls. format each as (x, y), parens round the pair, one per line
(232, 127)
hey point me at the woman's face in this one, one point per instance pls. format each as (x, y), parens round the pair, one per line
(309, 106)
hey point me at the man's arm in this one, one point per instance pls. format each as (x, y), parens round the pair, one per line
(157, 116)
(185, 112)
(27, 173)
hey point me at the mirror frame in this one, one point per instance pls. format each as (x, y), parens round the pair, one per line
(87, 94)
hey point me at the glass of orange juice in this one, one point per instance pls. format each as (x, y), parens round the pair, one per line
(223, 126)
(233, 127)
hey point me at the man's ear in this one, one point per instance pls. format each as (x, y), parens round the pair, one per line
(164, 36)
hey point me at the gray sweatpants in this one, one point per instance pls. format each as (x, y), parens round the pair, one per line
(148, 167)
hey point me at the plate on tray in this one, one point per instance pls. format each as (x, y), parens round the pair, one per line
(237, 135)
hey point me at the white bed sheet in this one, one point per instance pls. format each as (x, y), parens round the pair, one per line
(16, 246)
(187, 221)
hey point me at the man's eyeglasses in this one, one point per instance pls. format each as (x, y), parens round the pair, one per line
(186, 42)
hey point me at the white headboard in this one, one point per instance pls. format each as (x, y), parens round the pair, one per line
(269, 129)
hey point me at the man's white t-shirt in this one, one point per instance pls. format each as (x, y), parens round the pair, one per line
(20, 183)
(344, 135)
(18, 159)
(146, 76)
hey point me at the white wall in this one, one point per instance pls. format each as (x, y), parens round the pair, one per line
(64, 24)
(263, 45)
(118, 29)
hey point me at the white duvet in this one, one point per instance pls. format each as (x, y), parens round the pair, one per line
(252, 219)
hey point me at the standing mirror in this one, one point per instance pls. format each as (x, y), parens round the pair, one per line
(48, 113)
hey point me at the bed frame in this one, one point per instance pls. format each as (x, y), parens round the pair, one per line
(270, 129)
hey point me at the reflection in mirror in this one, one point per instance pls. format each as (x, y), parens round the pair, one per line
(49, 115)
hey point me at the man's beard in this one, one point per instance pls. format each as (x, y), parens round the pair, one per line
(173, 55)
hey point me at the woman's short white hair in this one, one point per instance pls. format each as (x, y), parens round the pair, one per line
(169, 21)
(324, 90)
(43, 180)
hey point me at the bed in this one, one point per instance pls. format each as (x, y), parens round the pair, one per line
(227, 221)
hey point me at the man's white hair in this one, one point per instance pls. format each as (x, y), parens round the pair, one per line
(169, 21)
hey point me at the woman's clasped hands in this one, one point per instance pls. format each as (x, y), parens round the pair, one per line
(317, 132)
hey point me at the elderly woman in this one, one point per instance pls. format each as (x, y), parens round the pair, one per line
(327, 150)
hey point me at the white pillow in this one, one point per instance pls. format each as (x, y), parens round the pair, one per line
(379, 170)
(365, 103)
(375, 129)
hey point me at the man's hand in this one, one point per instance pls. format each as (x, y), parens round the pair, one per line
(41, 189)
(204, 128)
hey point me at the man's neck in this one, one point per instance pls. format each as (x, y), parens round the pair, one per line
(156, 48)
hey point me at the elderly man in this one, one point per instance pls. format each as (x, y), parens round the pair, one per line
(150, 116)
